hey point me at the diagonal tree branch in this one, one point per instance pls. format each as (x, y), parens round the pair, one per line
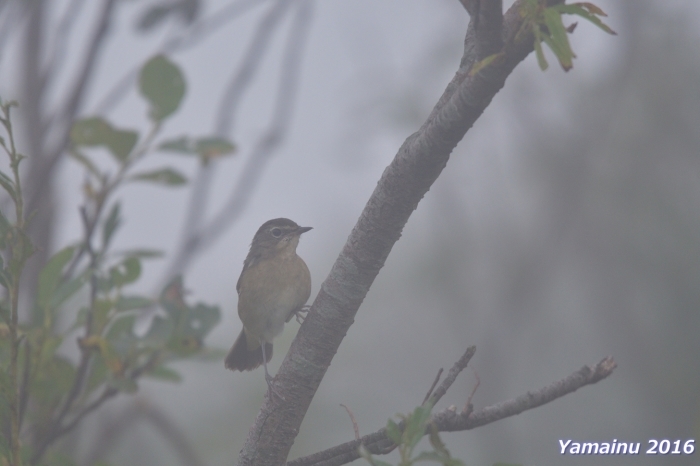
(406, 180)
(449, 420)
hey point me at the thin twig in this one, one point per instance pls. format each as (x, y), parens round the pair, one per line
(452, 375)
(244, 75)
(468, 405)
(354, 422)
(24, 390)
(432, 387)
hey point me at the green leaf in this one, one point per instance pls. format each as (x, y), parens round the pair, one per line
(190, 325)
(166, 374)
(52, 382)
(67, 289)
(129, 303)
(9, 185)
(558, 39)
(207, 148)
(126, 272)
(143, 253)
(162, 84)
(121, 143)
(50, 276)
(201, 320)
(111, 224)
(121, 336)
(48, 347)
(90, 132)
(587, 11)
(5, 230)
(213, 147)
(160, 331)
(415, 425)
(181, 145)
(96, 131)
(393, 431)
(165, 176)
(100, 314)
(541, 60)
(436, 441)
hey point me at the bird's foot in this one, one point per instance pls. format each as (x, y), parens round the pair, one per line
(271, 387)
(301, 314)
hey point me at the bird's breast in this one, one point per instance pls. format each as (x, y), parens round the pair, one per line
(269, 291)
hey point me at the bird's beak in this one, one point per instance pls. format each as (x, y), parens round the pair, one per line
(301, 230)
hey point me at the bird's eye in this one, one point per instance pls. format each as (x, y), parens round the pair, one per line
(276, 232)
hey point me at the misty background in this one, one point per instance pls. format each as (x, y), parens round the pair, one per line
(565, 228)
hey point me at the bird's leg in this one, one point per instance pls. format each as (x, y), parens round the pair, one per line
(268, 378)
(298, 313)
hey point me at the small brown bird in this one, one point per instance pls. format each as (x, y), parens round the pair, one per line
(274, 286)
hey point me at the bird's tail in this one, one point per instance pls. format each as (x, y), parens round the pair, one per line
(240, 358)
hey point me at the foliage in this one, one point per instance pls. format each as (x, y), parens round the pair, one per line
(406, 435)
(547, 26)
(85, 289)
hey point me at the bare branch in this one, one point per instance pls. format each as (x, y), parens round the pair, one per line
(60, 41)
(585, 376)
(403, 184)
(448, 420)
(432, 387)
(458, 367)
(194, 34)
(70, 108)
(249, 66)
(472, 6)
(262, 152)
(12, 15)
(468, 404)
